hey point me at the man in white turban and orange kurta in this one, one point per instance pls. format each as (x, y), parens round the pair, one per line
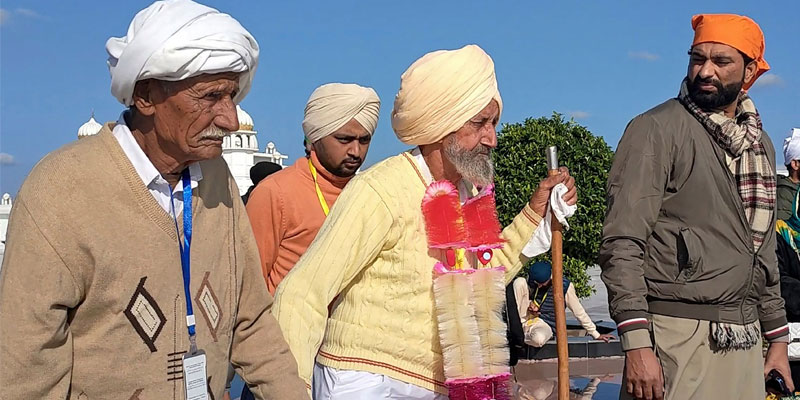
(381, 340)
(103, 292)
(287, 208)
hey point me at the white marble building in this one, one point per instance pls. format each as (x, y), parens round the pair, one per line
(5, 210)
(240, 151)
(89, 128)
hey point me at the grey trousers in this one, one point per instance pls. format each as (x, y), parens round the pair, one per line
(694, 368)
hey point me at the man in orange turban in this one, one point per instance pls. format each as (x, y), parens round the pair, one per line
(739, 32)
(693, 289)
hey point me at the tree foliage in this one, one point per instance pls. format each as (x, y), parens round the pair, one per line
(520, 164)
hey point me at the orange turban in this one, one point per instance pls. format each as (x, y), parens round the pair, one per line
(739, 32)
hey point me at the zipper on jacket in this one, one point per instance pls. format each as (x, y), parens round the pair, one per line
(750, 248)
(746, 223)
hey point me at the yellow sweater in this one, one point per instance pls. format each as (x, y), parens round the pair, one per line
(372, 252)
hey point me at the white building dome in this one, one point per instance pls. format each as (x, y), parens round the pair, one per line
(245, 120)
(240, 151)
(91, 127)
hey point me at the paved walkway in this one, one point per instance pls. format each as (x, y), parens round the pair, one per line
(596, 305)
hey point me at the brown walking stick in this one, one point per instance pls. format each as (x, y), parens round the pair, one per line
(558, 290)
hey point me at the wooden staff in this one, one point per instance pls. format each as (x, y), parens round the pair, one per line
(558, 290)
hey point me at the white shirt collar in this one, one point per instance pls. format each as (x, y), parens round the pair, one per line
(143, 166)
(465, 188)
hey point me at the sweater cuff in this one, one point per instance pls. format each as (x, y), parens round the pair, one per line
(775, 329)
(635, 339)
(532, 216)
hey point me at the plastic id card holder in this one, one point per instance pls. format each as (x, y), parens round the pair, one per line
(194, 376)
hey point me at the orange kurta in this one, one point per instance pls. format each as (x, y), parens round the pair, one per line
(286, 215)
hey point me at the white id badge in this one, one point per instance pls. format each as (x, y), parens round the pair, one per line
(194, 376)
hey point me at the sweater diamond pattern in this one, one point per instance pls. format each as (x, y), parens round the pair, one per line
(145, 316)
(209, 306)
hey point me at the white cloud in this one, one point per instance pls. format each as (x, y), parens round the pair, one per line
(6, 159)
(27, 12)
(768, 80)
(579, 114)
(643, 55)
(3, 16)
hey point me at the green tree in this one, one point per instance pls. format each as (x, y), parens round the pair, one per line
(520, 164)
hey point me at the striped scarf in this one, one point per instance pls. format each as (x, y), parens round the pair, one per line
(741, 137)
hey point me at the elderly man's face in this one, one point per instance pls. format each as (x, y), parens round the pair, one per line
(469, 148)
(192, 116)
(343, 152)
(716, 74)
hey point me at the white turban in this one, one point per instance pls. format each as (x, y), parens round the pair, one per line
(174, 40)
(441, 91)
(791, 147)
(334, 104)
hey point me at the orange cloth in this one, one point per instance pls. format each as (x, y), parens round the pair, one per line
(286, 215)
(739, 32)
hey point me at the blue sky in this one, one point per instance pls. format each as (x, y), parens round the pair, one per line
(602, 62)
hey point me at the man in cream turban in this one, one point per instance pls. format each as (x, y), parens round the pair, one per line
(380, 339)
(288, 208)
(130, 268)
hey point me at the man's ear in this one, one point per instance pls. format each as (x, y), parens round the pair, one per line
(142, 95)
(314, 147)
(750, 71)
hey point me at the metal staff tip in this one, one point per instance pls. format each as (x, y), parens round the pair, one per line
(552, 158)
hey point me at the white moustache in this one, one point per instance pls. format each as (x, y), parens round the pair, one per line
(213, 132)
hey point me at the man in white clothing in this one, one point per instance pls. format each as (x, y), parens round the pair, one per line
(537, 310)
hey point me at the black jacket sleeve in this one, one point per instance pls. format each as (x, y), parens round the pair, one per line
(789, 265)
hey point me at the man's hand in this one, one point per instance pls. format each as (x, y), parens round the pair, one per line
(606, 337)
(643, 374)
(778, 359)
(533, 310)
(541, 196)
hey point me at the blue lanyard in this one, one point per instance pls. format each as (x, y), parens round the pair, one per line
(185, 250)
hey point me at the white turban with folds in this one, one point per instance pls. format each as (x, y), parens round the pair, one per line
(174, 40)
(791, 147)
(441, 91)
(334, 104)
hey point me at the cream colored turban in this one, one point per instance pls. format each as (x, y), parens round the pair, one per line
(441, 91)
(334, 104)
(174, 40)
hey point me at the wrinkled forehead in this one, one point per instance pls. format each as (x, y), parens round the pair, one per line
(222, 80)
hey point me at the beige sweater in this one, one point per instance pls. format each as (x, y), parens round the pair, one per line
(91, 293)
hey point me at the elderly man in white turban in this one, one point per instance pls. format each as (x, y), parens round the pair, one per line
(103, 292)
(287, 208)
(380, 340)
(788, 185)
